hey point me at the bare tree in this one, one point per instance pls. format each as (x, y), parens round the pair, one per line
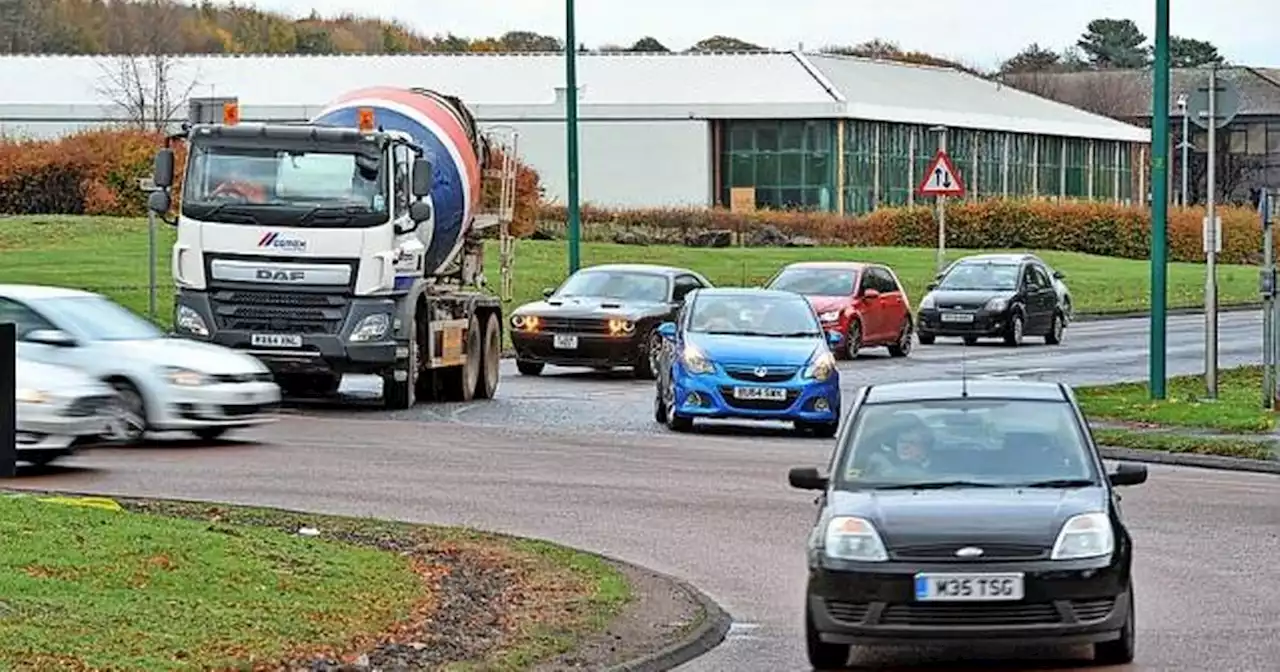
(1110, 94)
(1038, 83)
(145, 81)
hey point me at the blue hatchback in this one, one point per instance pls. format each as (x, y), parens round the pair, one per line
(754, 354)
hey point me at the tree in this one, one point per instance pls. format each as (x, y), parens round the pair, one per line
(649, 45)
(523, 40)
(1185, 52)
(1114, 43)
(723, 43)
(1033, 58)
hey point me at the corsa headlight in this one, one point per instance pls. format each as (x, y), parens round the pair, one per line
(32, 396)
(184, 377)
(1088, 535)
(695, 361)
(189, 320)
(927, 302)
(525, 322)
(829, 316)
(621, 327)
(997, 305)
(853, 538)
(822, 366)
(371, 328)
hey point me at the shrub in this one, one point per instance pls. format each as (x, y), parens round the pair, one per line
(1093, 228)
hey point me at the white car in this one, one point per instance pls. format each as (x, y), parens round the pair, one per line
(164, 383)
(57, 408)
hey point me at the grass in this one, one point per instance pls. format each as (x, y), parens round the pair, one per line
(85, 588)
(1237, 409)
(110, 255)
(1172, 443)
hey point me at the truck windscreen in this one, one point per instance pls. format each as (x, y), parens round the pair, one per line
(259, 184)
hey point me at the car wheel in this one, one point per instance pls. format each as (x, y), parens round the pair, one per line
(902, 347)
(823, 655)
(130, 422)
(529, 368)
(822, 430)
(659, 409)
(210, 433)
(1054, 337)
(675, 422)
(40, 458)
(853, 340)
(647, 358)
(1119, 651)
(926, 338)
(1014, 332)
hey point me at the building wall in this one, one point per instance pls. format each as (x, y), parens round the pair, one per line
(793, 164)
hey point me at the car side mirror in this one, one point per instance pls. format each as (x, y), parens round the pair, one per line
(807, 478)
(1058, 275)
(422, 179)
(1128, 474)
(931, 286)
(159, 202)
(667, 330)
(871, 294)
(833, 338)
(52, 337)
(547, 292)
(420, 212)
(162, 174)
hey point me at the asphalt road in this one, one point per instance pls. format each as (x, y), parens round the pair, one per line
(578, 459)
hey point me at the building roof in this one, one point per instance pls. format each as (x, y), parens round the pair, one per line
(528, 86)
(1127, 93)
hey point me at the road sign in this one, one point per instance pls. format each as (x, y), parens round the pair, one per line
(1225, 108)
(941, 179)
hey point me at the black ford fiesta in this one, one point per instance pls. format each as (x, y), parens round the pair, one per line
(602, 317)
(968, 510)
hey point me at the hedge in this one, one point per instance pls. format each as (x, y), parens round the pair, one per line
(1093, 228)
(96, 173)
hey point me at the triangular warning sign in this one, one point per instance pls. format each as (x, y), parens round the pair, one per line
(941, 179)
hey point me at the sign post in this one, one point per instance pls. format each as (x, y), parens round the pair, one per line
(940, 181)
(1212, 106)
(1269, 211)
(8, 400)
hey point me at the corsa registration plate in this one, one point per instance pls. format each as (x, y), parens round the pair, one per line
(969, 587)
(766, 393)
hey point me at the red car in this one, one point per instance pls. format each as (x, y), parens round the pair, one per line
(863, 303)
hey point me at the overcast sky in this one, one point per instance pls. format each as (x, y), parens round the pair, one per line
(980, 32)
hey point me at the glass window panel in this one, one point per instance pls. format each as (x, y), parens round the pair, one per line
(767, 138)
(791, 198)
(792, 136)
(1273, 138)
(817, 171)
(767, 173)
(1257, 139)
(792, 169)
(1239, 141)
(742, 169)
(741, 136)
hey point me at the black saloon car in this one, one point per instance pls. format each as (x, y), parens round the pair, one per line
(602, 317)
(1004, 296)
(970, 510)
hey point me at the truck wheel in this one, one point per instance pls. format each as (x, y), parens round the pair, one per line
(490, 358)
(467, 377)
(398, 395)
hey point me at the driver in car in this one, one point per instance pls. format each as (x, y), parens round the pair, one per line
(907, 456)
(716, 317)
(239, 186)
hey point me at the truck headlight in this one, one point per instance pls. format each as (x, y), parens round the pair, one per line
(853, 538)
(695, 361)
(181, 377)
(822, 366)
(371, 328)
(1088, 535)
(189, 320)
(32, 396)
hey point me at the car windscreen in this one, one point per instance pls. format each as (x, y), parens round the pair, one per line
(996, 442)
(981, 276)
(97, 319)
(780, 315)
(815, 281)
(627, 286)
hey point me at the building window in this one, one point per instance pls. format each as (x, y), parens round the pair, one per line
(1257, 142)
(1238, 141)
(1273, 138)
(1077, 168)
(789, 163)
(1050, 166)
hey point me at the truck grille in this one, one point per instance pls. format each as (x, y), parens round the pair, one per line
(279, 312)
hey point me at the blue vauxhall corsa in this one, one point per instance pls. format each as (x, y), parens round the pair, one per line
(754, 354)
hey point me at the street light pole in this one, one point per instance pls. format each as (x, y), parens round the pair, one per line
(571, 123)
(1185, 146)
(1159, 203)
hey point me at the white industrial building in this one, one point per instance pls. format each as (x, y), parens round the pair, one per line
(790, 129)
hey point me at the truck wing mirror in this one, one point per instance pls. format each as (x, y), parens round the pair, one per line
(163, 174)
(422, 178)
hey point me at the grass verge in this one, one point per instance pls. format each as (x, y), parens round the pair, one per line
(88, 588)
(1237, 409)
(110, 255)
(1175, 443)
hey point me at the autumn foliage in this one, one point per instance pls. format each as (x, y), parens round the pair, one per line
(1093, 228)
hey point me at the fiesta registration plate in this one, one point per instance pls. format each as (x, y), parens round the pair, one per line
(276, 340)
(969, 587)
(565, 342)
(957, 317)
(760, 393)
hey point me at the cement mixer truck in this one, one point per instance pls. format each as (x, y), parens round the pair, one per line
(351, 244)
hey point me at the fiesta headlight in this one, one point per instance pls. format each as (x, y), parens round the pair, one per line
(525, 322)
(853, 538)
(829, 316)
(371, 328)
(619, 326)
(997, 305)
(188, 320)
(822, 367)
(182, 377)
(927, 302)
(32, 396)
(1088, 535)
(695, 360)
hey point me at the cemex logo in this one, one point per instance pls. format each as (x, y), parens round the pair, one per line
(278, 242)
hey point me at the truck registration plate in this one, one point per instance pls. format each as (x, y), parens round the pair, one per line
(968, 587)
(565, 342)
(276, 340)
